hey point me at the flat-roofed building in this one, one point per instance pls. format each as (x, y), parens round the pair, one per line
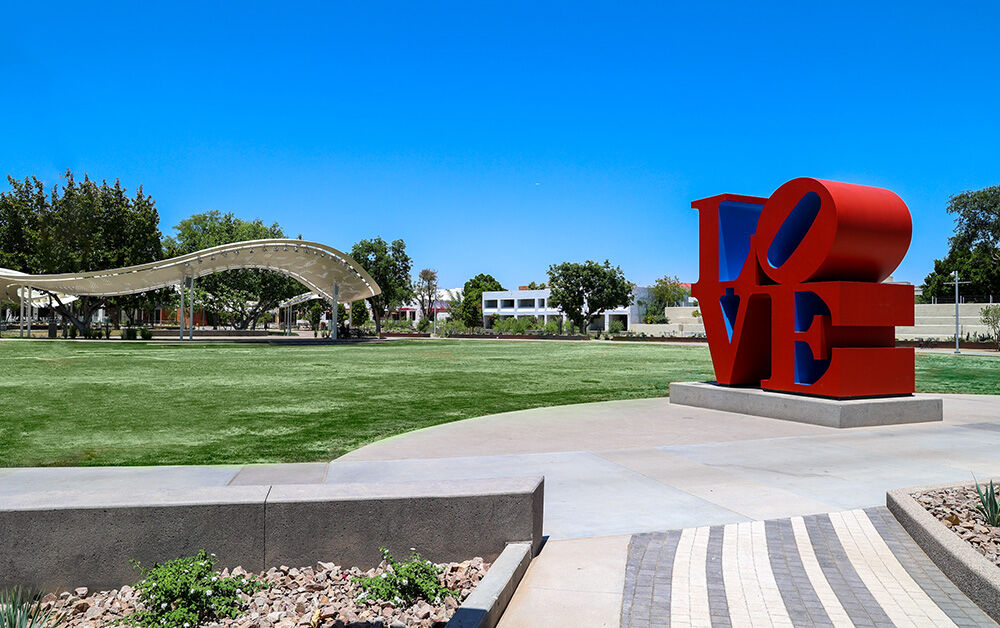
(527, 302)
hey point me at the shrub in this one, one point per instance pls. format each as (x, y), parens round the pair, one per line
(552, 327)
(988, 506)
(145, 334)
(990, 317)
(72, 331)
(424, 325)
(616, 327)
(19, 609)
(129, 333)
(405, 583)
(188, 592)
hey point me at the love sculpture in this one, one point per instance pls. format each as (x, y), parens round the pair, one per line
(790, 291)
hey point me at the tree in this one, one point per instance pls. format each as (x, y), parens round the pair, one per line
(427, 285)
(359, 314)
(584, 291)
(241, 295)
(389, 266)
(974, 249)
(471, 311)
(315, 313)
(990, 316)
(536, 286)
(80, 227)
(666, 292)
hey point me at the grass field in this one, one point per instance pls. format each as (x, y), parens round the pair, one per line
(95, 403)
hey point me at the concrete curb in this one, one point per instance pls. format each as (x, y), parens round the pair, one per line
(487, 602)
(838, 413)
(971, 572)
(62, 539)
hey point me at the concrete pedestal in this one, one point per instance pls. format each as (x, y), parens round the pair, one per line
(802, 409)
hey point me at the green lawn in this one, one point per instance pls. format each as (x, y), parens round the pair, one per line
(97, 403)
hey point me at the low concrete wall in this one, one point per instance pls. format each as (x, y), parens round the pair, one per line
(487, 602)
(57, 540)
(971, 572)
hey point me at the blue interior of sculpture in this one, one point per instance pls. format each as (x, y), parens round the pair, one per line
(737, 222)
(808, 305)
(794, 229)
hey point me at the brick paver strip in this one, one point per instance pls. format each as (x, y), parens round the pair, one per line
(804, 606)
(812, 592)
(923, 571)
(857, 600)
(648, 572)
(717, 603)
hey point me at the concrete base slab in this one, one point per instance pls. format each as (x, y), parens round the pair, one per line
(815, 410)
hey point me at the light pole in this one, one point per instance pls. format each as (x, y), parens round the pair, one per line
(956, 309)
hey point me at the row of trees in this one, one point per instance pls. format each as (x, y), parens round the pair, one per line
(85, 225)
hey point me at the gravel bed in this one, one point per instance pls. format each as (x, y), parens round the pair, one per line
(956, 509)
(322, 596)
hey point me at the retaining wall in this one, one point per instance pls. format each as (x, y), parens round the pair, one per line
(53, 541)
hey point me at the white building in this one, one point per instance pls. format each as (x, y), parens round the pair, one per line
(525, 302)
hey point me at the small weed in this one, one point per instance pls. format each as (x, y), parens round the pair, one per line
(406, 582)
(187, 592)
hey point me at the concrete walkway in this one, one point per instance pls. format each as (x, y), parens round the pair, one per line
(620, 468)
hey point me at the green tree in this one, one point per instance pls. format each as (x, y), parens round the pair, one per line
(666, 292)
(427, 286)
(389, 266)
(79, 227)
(974, 249)
(471, 310)
(359, 314)
(990, 316)
(239, 296)
(315, 313)
(584, 291)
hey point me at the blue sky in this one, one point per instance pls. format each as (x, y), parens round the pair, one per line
(503, 137)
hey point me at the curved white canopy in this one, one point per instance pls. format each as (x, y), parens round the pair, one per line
(316, 266)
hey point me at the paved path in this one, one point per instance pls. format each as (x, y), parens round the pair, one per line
(851, 568)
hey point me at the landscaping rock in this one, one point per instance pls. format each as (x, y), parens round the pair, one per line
(956, 508)
(320, 596)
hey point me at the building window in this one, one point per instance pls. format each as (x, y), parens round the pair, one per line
(525, 303)
(541, 303)
(506, 302)
(490, 303)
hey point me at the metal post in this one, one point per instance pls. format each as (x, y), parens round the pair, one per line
(191, 300)
(333, 312)
(29, 311)
(20, 314)
(180, 314)
(956, 313)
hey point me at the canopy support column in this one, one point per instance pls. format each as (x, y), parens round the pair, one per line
(180, 314)
(29, 312)
(20, 314)
(191, 320)
(333, 312)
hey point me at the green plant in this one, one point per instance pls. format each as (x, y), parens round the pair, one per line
(405, 582)
(72, 332)
(145, 334)
(989, 505)
(19, 609)
(129, 333)
(616, 327)
(187, 592)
